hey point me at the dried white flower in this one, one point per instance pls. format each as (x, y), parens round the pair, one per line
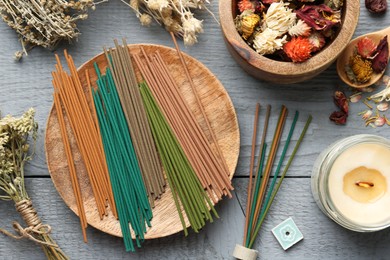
(279, 18)
(268, 41)
(145, 19)
(299, 29)
(157, 5)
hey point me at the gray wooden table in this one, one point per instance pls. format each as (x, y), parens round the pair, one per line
(28, 84)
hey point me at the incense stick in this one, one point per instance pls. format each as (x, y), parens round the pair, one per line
(252, 161)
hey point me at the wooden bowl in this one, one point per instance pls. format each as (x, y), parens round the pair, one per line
(278, 71)
(219, 111)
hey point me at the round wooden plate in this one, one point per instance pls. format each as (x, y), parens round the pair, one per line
(219, 110)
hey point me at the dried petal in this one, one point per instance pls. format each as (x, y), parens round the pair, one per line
(366, 47)
(317, 40)
(319, 17)
(379, 63)
(339, 117)
(367, 89)
(245, 5)
(355, 98)
(341, 101)
(298, 49)
(383, 106)
(367, 114)
(380, 121)
(376, 6)
(361, 68)
(385, 79)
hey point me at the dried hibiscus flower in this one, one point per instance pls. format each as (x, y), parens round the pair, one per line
(376, 6)
(379, 63)
(366, 47)
(319, 17)
(298, 49)
(341, 101)
(339, 117)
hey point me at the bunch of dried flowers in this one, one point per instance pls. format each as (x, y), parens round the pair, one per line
(175, 15)
(15, 152)
(44, 22)
(368, 58)
(293, 30)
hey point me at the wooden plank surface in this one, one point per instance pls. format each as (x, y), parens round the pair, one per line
(28, 83)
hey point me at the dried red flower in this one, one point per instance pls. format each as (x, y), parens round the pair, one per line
(319, 17)
(339, 117)
(376, 6)
(366, 47)
(379, 63)
(245, 5)
(298, 49)
(341, 101)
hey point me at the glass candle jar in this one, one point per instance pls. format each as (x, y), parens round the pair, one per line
(351, 182)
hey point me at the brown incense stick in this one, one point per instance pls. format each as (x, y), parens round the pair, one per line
(252, 162)
(270, 160)
(214, 139)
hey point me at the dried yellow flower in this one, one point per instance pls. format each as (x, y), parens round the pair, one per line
(361, 68)
(248, 25)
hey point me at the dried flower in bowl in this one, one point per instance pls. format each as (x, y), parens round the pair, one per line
(293, 30)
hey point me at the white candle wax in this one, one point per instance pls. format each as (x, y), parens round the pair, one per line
(359, 183)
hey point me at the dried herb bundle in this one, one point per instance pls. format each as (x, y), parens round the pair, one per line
(175, 15)
(44, 22)
(14, 154)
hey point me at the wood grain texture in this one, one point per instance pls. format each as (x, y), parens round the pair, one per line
(219, 111)
(27, 84)
(285, 72)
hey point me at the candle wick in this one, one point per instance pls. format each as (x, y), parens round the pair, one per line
(364, 184)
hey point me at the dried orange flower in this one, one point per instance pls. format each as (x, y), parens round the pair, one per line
(245, 5)
(361, 68)
(298, 49)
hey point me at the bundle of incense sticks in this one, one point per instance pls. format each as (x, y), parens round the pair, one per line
(121, 66)
(262, 193)
(69, 95)
(126, 179)
(207, 164)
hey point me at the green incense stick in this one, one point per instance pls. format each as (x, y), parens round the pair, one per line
(256, 192)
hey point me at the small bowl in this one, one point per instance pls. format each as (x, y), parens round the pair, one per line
(279, 71)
